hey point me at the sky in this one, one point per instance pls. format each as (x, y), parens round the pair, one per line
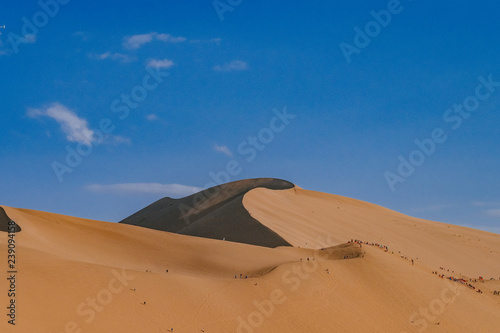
(107, 107)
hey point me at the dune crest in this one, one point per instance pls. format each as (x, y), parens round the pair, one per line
(216, 213)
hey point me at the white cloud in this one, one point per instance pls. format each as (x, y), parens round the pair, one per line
(75, 128)
(114, 56)
(169, 38)
(233, 66)
(171, 190)
(152, 117)
(213, 40)
(29, 38)
(493, 212)
(136, 41)
(116, 140)
(223, 149)
(156, 63)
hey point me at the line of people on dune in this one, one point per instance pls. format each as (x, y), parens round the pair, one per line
(451, 278)
(460, 280)
(380, 246)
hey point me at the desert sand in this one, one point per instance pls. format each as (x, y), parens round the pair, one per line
(78, 275)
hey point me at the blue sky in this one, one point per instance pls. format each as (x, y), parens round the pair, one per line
(158, 98)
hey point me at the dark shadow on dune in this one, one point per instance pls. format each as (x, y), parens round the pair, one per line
(4, 221)
(216, 213)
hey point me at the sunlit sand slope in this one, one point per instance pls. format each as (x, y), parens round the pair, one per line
(303, 217)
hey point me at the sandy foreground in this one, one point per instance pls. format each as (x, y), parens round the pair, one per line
(76, 275)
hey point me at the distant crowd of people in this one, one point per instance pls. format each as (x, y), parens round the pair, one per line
(463, 281)
(385, 248)
(460, 280)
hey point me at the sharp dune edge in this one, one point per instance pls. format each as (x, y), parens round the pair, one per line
(77, 275)
(216, 213)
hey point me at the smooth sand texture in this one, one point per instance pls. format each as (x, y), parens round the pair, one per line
(66, 263)
(302, 216)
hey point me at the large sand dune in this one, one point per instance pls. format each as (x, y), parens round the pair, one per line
(77, 275)
(216, 213)
(303, 218)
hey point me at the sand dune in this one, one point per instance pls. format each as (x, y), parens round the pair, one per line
(77, 275)
(302, 217)
(4, 222)
(215, 213)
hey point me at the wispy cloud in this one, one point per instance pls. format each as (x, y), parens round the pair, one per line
(171, 190)
(202, 41)
(169, 38)
(233, 66)
(75, 128)
(152, 117)
(157, 63)
(26, 39)
(29, 39)
(492, 212)
(488, 208)
(223, 150)
(116, 140)
(136, 41)
(114, 56)
(486, 203)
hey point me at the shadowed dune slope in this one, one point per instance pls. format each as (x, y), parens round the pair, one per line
(4, 222)
(216, 213)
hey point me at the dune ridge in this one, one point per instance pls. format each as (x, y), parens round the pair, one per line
(4, 222)
(216, 213)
